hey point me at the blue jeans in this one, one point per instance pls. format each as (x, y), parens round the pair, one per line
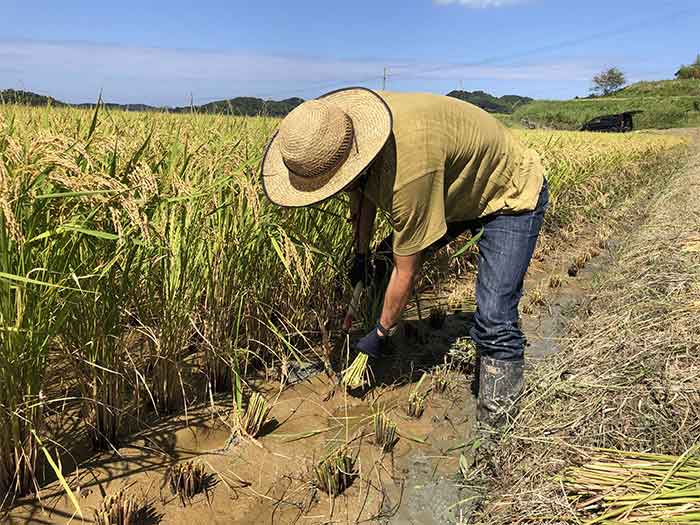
(505, 251)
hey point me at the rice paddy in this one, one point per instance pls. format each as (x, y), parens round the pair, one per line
(142, 267)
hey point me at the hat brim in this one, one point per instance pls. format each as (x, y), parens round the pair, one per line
(372, 123)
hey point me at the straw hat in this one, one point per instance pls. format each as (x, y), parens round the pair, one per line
(323, 145)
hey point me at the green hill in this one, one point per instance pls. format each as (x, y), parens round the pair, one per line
(664, 104)
(27, 98)
(661, 88)
(248, 106)
(486, 101)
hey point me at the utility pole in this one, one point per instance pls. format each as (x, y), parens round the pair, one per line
(386, 74)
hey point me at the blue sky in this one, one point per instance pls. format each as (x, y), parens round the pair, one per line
(163, 53)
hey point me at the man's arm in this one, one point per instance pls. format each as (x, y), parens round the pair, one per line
(399, 290)
(397, 295)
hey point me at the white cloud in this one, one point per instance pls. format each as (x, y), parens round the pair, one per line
(481, 4)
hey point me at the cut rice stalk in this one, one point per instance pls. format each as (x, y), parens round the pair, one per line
(122, 509)
(336, 472)
(256, 415)
(625, 487)
(385, 434)
(357, 374)
(416, 400)
(187, 480)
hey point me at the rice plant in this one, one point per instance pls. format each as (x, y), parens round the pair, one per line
(39, 228)
(122, 508)
(186, 480)
(336, 472)
(385, 433)
(256, 415)
(416, 400)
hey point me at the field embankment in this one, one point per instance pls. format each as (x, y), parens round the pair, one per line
(625, 380)
(664, 104)
(142, 270)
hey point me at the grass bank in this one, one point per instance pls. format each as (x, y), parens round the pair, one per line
(139, 254)
(667, 104)
(625, 380)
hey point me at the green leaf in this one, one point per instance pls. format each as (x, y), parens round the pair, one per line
(469, 244)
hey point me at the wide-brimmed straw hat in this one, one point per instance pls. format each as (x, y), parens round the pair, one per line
(323, 145)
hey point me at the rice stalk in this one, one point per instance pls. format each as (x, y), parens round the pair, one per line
(628, 487)
(336, 472)
(357, 374)
(385, 433)
(186, 480)
(416, 400)
(122, 508)
(256, 415)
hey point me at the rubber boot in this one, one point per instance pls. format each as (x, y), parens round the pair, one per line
(500, 386)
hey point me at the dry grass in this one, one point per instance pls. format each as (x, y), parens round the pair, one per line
(627, 380)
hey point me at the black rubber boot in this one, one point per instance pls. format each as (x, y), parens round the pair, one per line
(500, 386)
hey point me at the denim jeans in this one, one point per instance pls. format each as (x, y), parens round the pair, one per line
(505, 251)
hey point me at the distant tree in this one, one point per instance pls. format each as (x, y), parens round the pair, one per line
(608, 81)
(691, 71)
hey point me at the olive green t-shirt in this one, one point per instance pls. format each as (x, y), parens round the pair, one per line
(447, 161)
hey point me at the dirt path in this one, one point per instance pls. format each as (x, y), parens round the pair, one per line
(269, 480)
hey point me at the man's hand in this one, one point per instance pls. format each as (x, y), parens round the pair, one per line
(373, 344)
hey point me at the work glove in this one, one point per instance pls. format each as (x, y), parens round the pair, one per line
(374, 343)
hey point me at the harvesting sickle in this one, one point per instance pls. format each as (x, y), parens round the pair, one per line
(438, 167)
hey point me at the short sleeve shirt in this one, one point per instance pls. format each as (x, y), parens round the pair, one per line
(448, 161)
